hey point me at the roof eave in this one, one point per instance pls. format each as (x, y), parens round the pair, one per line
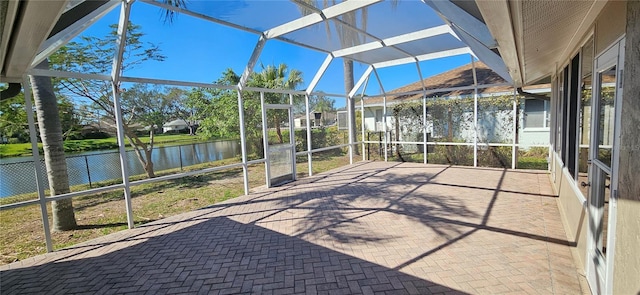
(498, 18)
(30, 25)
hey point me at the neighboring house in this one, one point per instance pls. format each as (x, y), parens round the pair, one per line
(175, 125)
(327, 118)
(494, 125)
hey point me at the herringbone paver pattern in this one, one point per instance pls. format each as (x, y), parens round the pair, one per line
(369, 228)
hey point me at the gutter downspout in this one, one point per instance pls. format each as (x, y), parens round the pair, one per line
(13, 90)
(533, 95)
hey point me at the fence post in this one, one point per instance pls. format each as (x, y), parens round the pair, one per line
(380, 143)
(368, 149)
(86, 162)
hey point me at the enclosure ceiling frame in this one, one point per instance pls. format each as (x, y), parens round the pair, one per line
(329, 13)
(54, 73)
(319, 73)
(257, 50)
(317, 17)
(365, 76)
(395, 40)
(424, 57)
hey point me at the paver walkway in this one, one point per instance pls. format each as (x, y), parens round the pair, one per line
(372, 227)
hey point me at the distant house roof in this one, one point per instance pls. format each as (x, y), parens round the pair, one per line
(178, 122)
(458, 77)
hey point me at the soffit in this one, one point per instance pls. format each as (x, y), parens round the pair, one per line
(547, 27)
(535, 37)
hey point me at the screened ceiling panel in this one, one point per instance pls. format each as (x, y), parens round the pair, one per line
(389, 18)
(378, 55)
(350, 29)
(328, 36)
(431, 44)
(258, 15)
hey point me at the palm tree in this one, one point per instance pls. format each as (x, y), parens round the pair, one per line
(51, 137)
(276, 78)
(348, 38)
(52, 144)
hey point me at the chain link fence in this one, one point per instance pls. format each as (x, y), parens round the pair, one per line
(19, 177)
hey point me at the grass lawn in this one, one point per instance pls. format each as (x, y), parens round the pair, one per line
(74, 146)
(102, 214)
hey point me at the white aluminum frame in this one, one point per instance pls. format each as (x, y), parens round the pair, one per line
(125, 9)
(384, 114)
(612, 56)
(291, 146)
(332, 12)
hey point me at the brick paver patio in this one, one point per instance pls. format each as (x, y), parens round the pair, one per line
(372, 227)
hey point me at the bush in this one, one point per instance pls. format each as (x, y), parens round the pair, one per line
(495, 156)
(96, 135)
(452, 155)
(14, 140)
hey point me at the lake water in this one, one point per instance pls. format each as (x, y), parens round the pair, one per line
(17, 175)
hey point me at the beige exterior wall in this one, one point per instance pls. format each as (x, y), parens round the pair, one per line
(626, 270)
(614, 21)
(573, 211)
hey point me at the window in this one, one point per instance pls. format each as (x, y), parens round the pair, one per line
(379, 125)
(584, 116)
(378, 116)
(536, 113)
(343, 121)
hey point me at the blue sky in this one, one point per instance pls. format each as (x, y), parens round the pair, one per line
(200, 51)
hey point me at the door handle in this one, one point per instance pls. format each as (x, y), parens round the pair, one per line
(585, 184)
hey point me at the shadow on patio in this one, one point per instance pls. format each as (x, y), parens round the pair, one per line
(217, 255)
(368, 227)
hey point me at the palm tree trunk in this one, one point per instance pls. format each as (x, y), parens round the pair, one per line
(51, 136)
(348, 85)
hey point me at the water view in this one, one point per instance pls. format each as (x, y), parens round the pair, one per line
(18, 176)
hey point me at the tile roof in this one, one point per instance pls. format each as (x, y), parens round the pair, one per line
(458, 77)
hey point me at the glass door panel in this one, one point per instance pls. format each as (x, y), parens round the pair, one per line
(606, 116)
(602, 171)
(280, 147)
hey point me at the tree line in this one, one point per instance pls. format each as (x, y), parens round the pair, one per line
(77, 103)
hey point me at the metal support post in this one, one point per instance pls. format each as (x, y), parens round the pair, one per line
(292, 136)
(86, 164)
(362, 127)
(115, 82)
(309, 160)
(350, 114)
(424, 114)
(515, 130)
(475, 112)
(36, 164)
(243, 143)
(265, 139)
(384, 114)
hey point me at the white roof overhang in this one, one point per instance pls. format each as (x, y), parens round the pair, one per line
(25, 25)
(533, 37)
